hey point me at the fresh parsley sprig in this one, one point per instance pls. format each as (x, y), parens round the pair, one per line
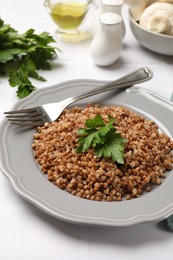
(104, 139)
(21, 55)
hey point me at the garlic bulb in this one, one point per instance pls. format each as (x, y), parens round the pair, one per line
(158, 17)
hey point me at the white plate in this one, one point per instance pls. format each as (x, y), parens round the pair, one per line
(18, 163)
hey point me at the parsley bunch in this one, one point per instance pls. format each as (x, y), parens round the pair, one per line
(104, 139)
(21, 55)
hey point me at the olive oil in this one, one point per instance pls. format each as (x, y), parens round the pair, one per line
(69, 15)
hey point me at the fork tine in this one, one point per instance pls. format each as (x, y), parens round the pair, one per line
(27, 123)
(24, 119)
(35, 116)
(21, 111)
(20, 116)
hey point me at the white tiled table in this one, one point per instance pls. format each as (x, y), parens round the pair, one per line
(28, 233)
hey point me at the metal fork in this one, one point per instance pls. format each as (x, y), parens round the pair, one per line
(37, 116)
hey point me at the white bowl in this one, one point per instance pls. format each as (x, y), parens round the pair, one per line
(155, 42)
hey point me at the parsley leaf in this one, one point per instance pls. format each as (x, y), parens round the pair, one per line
(21, 55)
(104, 139)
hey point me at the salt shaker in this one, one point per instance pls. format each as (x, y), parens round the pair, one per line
(106, 46)
(113, 6)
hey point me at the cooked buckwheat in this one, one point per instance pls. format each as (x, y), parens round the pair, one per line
(148, 155)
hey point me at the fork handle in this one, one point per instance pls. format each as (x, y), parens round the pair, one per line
(138, 76)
